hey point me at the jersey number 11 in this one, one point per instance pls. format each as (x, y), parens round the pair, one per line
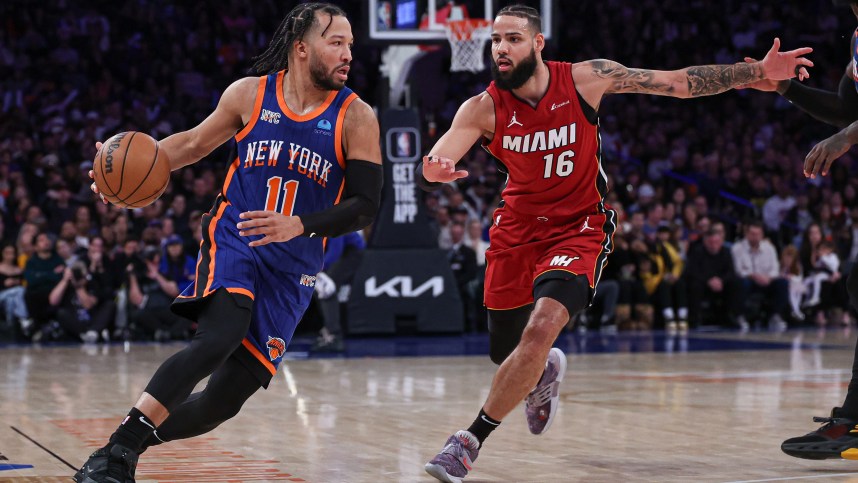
(290, 189)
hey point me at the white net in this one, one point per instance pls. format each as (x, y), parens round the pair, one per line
(467, 38)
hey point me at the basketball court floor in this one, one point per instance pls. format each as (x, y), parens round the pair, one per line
(635, 408)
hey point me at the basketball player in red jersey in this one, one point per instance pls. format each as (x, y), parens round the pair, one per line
(308, 153)
(552, 233)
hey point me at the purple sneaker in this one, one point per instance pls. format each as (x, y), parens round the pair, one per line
(454, 461)
(541, 404)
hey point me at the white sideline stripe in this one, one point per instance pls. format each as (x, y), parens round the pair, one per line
(814, 477)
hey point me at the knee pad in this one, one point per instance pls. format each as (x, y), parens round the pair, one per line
(505, 329)
(573, 291)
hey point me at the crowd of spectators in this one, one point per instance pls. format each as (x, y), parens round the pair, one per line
(689, 177)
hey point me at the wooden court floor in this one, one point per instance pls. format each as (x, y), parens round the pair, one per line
(697, 416)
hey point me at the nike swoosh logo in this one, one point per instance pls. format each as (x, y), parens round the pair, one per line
(486, 420)
(142, 420)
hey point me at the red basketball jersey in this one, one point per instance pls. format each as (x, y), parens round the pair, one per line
(551, 152)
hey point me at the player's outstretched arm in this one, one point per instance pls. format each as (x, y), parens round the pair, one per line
(599, 77)
(836, 108)
(473, 120)
(190, 146)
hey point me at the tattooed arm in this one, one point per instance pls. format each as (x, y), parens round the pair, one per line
(595, 78)
(701, 80)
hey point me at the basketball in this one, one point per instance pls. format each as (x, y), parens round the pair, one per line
(130, 170)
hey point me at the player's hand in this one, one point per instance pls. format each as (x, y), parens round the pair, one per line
(274, 226)
(441, 170)
(819, 158)
(785, 65)
(92, 186)
(768, 85)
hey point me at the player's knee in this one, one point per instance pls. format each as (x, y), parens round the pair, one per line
(570, 290)
(539, 334)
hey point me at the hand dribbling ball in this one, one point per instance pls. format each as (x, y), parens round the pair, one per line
(130, 170)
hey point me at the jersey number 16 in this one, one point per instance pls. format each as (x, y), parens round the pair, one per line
(564, 167)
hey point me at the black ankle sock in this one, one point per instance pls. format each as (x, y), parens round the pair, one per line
(483, 426)
(134, 430)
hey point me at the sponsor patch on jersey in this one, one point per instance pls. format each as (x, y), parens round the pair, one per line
(276, 347)
(323, 127)
(308, 280)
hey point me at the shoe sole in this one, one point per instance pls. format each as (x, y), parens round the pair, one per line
(555, 401)
(805, 453)
(440, 473)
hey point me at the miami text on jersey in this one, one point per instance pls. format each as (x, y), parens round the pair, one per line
(303, 160)
(541, 140)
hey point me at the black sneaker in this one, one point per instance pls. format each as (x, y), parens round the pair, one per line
(110, 464)
(837, 438)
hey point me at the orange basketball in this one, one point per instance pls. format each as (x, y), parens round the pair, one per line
(130, 170)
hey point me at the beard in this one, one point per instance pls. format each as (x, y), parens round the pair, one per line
(323, 79)
(517, 76)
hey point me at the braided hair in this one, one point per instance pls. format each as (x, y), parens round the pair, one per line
(534, 20)
(296, 24)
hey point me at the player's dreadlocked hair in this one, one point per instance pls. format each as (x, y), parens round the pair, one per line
(293, 27)
(534, 20)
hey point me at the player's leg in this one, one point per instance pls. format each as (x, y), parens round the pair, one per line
(556, 299)
(559, 296)
(835, 438)
(229, 386)
(223, 323)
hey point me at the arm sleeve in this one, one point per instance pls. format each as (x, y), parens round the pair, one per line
(836, 108)
(361, 199)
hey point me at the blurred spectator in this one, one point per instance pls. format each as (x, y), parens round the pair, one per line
(791, 270)
(11, 288)
(463, 263)
(826, 268)
(758, 269)
(670, 293)
(42, 273)
(474, 240)
(84, 304)
(343, 255)
(712, 281)
(150, 293)
(176, 265)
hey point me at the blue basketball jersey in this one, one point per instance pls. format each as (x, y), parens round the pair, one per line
(290, 163)
(284, 162)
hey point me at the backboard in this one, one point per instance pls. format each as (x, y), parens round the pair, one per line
(422, 21)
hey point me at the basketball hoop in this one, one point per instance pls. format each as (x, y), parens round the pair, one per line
(467, 38)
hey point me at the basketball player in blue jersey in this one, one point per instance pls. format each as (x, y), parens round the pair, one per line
(307, 166)
(837, 438)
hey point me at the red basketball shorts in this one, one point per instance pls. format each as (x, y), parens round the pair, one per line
(524, 247)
